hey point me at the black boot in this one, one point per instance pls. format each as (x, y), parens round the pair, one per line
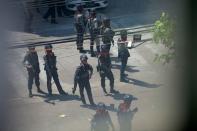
(39, 90)
(93, 54)
(30, 93)
(82, 51)
(113, 91)
(104, 90)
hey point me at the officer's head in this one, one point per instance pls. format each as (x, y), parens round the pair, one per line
(84, 58)
(93, 13)
(48, 48)
(101, 107)
(128, 99)
(80, 8)
(104, 48)
(104, 52)
(123, 34)
(106, 22)
(31, 48)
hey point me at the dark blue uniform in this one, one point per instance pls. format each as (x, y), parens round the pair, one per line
(51, 11)
(107, 37)
(104, 67)
(123, 54)
(79, 23)
(33, 68)
(51, 71)
(94, 29)
(82, 76)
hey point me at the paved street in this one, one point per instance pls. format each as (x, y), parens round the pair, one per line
(152, 84)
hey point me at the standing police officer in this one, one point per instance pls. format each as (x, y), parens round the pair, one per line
(123, 52)
(104, 68)
(125, 115)
(107, 33)
(51, 70)
(51, 11)
(79, 22)
(32, 64)
(94, 29)
(101, 120)
(82, 75)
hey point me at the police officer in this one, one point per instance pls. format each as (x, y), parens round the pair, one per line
(82, 75)
(107, 33)
(51, 11)
(101, 120)
(94, 29)
(51, 70)
(29, 15)
(32, 64)
(125, 115)
(79, 22)
(104, 68)
(123, 53)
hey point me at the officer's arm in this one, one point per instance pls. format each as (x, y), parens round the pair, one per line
(25, 59)
(38, 65)
(91, 70)
(76, 78)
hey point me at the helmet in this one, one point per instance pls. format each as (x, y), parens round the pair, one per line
(93, 13)
(80, 8)
(83, 57)
(106, 22)
(128, 98)
(104, 48)
(48, 46)
(123, 33)
(101, 106)
(31, 47)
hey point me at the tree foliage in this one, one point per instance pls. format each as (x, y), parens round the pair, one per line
(163, 33)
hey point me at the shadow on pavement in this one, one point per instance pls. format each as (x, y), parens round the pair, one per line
(55, 97)
(141, 83)
(108, 107)
(120, 96)
(128, 68)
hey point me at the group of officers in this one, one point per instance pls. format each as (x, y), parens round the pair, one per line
(84, 71)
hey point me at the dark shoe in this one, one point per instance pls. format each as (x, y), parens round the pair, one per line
(113, 91)
(50, 94)
(63, 93)
(104, 90)
(92, 104)
(125, 74)
(122, 79)
(82, 51)
(93, 54)
(84, 102)
(39, 90)
(30, 94)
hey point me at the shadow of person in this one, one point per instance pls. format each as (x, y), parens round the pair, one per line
(140, 83)
(108, 107)
(56, 97)
(128, 68)
(120, 96)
